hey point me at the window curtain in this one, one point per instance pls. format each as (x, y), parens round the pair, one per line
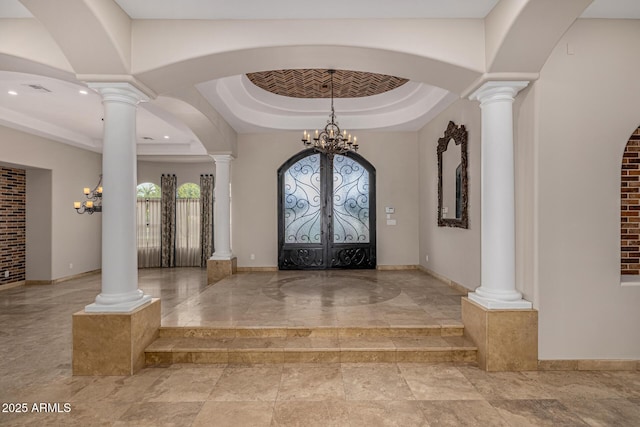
(188, 232)
(148, 232)
(168, 186)
(206, 218)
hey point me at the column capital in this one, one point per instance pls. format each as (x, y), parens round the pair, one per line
(119, 92)
(222, 158)
(498, 91)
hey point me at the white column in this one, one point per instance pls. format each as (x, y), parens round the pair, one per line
(222, 208)
(498, 287)
(120, 291)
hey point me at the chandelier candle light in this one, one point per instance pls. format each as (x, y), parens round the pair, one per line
(331, 140)
(93, 202)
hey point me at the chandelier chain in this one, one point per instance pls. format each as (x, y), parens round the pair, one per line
(331, 140)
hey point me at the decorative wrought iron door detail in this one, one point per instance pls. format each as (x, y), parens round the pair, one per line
(326, 212)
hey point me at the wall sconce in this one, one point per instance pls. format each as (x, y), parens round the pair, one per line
(93, 202)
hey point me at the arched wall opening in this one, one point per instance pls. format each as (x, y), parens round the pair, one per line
(630, 209)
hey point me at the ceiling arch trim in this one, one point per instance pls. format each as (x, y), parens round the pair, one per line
(157, 44)
(20, 64)
(451, 77)
(29, 40)
(249, 108)
(206, 124)
(98, 42)
(515, 39)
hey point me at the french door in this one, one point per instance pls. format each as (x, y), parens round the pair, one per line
(326, 212)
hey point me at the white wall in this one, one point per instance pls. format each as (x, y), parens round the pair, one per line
(39, 222)
(254, 194)
(588, 106)
(75, 239)
(525, 111)
(453, 252)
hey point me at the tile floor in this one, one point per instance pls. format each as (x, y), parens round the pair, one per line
(35, 356)
(321, 298)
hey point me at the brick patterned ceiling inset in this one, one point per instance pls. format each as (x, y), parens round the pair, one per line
(315, 83)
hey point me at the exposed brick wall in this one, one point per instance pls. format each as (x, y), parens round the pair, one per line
(13, 225)
(630, 207)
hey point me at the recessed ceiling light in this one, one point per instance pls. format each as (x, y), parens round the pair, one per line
(83, 92)
(12, 92)
(166, 137)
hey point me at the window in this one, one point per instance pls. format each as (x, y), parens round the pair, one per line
(148, 230)
(188, 252)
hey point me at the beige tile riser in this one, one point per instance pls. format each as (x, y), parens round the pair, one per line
(255, 357)
(318, 332)
(203, 332)
(209, 358)
(588, 365)
(269, 356)
(313, 356)
(367, 356)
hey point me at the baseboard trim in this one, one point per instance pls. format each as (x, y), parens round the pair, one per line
(457, 286)
(63, 279)
(77, 276)
(12, 285)
(379, 267)
(589, 365)
(396, 267)
(39, 282)
(246, 269)
(255, 269)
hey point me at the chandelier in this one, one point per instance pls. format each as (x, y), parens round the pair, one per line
(93, 202)
(331, 140)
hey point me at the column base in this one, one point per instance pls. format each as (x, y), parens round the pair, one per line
(122, 307)
(507, 340)
(114, 343)
(493, 304)
(218, 269)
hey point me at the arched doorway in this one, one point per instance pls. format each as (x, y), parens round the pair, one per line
(326, 212)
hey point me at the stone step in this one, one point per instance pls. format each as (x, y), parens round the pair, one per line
(308, 345)
(454, 330)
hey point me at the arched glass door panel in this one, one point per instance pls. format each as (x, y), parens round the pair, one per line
(326, 212)
(350, 201)
(302, 207)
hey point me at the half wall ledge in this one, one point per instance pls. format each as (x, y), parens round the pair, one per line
(507, 340)
(629, 280)
(218, 269)
(114, 343)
